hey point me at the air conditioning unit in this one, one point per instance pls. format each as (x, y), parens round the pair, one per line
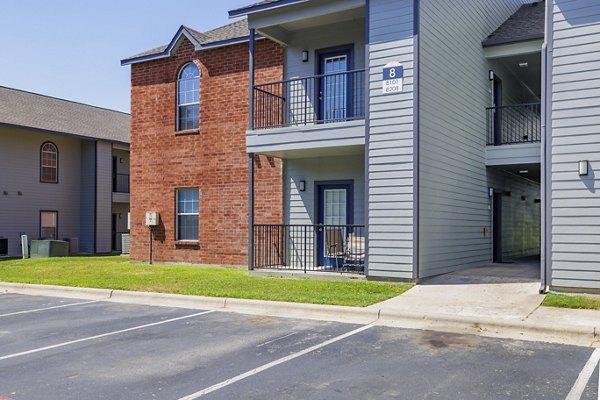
(3, 247)
(125, 243)
(73, 245)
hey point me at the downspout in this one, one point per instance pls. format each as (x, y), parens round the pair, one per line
(546, 149)
(416, 146)
(367, 127)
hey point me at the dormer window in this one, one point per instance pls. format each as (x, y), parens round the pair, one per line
(188, 98)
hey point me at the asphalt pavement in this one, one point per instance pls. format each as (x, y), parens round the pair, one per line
(59, 348)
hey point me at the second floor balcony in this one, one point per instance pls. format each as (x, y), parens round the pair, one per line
(320, 99)
(514, 134)
(310, 113)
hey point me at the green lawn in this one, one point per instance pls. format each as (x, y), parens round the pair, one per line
(117, 272)
(572, 301)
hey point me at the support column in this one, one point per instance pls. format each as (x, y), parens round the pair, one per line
(251, 80)
(251, 48)
(250, 211)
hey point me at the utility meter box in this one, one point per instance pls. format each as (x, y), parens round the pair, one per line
(152, 218)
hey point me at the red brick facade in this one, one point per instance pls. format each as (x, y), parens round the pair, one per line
(212, 159)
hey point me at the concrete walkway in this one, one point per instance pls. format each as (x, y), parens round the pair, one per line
(504, 291)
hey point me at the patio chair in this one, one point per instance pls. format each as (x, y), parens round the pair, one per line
(354, 254)
(334, 244)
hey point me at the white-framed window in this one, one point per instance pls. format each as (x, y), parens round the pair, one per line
(187, 214)
(48, 225)
(49, 163)
(188, 98)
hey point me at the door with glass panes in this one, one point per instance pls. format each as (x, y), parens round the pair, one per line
(335, 213)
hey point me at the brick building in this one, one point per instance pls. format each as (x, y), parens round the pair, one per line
(189, 117)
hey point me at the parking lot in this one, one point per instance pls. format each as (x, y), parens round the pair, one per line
(52, 348)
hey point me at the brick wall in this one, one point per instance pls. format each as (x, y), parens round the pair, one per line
(212, 159)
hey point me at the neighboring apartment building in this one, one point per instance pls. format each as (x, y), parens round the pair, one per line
(64, 173)
(441, 134)
(189, 110)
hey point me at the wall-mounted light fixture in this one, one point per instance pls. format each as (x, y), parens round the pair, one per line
(304, 55)
(120, 161)
(491, 192)
(302, 186)
(491, 75)
(584, 168)
(524, 65)
(120, 215)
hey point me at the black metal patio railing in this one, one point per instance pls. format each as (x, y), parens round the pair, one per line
(514, 124)
(303, 101)
(324, 248)
(121, 183)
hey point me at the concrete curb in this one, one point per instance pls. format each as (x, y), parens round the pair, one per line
(483, 326)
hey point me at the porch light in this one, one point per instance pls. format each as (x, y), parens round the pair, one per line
(491, 192)
(492, 76)
(584, 168)
(302, 186)
(524, 64)
(304, 55)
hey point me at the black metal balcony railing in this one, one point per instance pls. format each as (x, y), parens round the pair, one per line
(120, 183)
(336, 248)
(514, 124)
(317, 99)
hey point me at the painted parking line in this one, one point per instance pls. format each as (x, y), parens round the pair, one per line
(135, 328)
(584, 377)
(272, 364)
(48, 308)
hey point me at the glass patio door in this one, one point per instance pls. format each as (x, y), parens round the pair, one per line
(334, 90)
(334, 215)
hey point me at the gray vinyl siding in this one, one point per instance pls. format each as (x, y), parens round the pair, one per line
(454, 92)
(575, 135)
(324, 37)
(104, 197)
(390, 147)
(299, 207)
(20, 173)
(87, 197)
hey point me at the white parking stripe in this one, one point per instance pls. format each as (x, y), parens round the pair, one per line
(272, 364)
(584, 377)
(54, 346)
(48, 308)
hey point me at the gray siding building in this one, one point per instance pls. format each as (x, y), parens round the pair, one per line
(64, 173)
(421, 137)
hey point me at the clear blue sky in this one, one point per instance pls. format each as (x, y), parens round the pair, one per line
(72, 48)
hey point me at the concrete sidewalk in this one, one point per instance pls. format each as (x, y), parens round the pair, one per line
(503, 310)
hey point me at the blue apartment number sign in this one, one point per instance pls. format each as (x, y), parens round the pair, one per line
(393, 77)
(390, 73)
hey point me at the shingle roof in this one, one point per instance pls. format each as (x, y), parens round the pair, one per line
(235, 30)
(32, 110)
(526, 24)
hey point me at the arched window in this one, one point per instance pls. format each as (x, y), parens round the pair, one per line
(49, 163)
(188, 98)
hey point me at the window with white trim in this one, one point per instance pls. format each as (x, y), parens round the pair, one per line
(187, 214)
(49, 163)
(48, 225)
(188, 98)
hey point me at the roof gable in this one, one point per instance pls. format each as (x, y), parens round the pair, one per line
(528, 23)
(236, 32)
